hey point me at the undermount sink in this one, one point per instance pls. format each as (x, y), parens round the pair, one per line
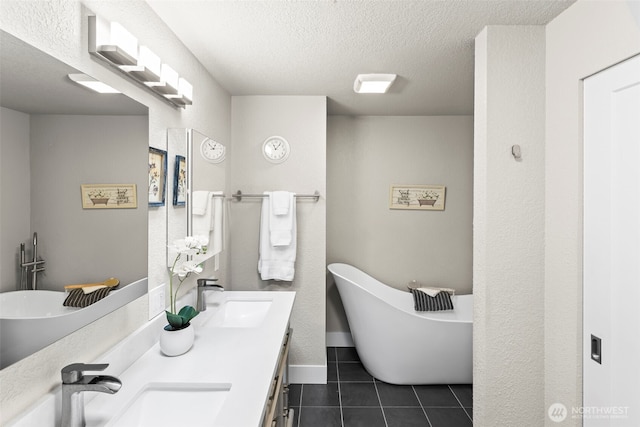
(239, 313)
(244, 314)
(174, 404)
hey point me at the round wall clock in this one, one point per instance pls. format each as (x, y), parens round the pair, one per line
(212, 151)
(276, 149)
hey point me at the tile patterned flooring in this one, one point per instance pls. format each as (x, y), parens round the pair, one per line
(353, 398)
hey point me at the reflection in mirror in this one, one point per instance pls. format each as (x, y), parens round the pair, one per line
(187, 192)
(177, 188)
(56, 136)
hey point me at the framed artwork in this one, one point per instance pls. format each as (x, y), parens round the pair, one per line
(157, 176)
(180, 181)
(109, 196)
(419, 197)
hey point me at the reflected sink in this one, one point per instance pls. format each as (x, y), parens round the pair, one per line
(174, 404)
(239, 313)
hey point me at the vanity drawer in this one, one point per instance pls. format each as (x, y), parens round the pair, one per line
(277, 410)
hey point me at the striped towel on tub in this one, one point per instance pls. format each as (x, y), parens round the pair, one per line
(431, 299)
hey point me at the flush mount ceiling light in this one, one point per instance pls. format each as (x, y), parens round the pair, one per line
(112, 43)
(373, 83)
(91, 83)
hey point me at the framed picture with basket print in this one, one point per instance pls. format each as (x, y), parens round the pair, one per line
(417, 197)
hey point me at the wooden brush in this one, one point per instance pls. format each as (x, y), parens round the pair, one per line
(111, 282)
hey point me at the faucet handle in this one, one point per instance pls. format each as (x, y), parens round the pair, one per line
(73, 373)
(207, 282)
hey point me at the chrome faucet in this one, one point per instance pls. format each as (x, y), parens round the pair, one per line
(203, 286)
(35, 264)
(74, 383)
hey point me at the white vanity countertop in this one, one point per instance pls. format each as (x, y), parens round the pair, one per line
(245, 357)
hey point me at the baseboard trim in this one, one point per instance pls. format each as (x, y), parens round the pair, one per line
(339, 339)
(307, 374)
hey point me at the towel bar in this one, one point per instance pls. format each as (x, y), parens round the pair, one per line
(238, 196)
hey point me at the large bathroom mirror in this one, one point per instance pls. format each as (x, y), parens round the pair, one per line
(56, 136)
(190, 178)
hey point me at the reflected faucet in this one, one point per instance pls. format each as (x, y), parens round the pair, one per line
(74, 383)
(35, 264)
(203, 286)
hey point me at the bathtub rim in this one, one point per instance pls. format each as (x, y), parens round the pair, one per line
(57, 296)
(403, 301)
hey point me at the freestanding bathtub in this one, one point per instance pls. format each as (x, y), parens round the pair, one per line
(399, 345)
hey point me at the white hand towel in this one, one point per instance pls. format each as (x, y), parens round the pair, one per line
(280, 202)
(217, 229)
(276, 262)
(201, 224)
(281, 225)
(200, 200)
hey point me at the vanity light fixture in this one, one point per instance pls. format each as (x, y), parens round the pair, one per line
(168, 84)
(373, 83)
(91, 83)
(111, 42)
(185, 93)
(148, 67)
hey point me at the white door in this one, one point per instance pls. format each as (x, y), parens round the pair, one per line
(611, 313)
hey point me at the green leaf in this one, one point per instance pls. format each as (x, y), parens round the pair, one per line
(182, 319)
(187, 312)
(176, 321)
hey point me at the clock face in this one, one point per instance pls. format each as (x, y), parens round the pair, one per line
(212, 151)
(275, 149)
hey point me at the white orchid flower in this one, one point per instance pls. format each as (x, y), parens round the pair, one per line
(189, 246)
(187, 267)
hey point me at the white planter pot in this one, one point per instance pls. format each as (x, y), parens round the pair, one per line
(175, 343)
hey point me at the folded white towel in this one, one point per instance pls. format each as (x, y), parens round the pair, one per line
(281, 225)
(276, 262)
(280, 202)
(200, 201)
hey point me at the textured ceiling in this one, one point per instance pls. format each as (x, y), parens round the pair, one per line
(318, 47)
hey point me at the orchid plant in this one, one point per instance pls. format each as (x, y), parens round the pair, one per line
(183, 267)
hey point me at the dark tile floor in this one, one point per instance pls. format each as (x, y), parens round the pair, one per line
(353, 398)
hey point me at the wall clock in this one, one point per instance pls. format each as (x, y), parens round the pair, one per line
(212, 151)
(276, 149)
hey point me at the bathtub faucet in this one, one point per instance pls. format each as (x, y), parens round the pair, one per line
(203, 286)
(36, 266)
(75, 383)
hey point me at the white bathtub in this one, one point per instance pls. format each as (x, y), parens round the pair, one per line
(32, 320)
(399, 345)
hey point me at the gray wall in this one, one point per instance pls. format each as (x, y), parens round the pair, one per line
(508, 227)
(14, 187)
(302, 121)
(365, 155)
(67, 151)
